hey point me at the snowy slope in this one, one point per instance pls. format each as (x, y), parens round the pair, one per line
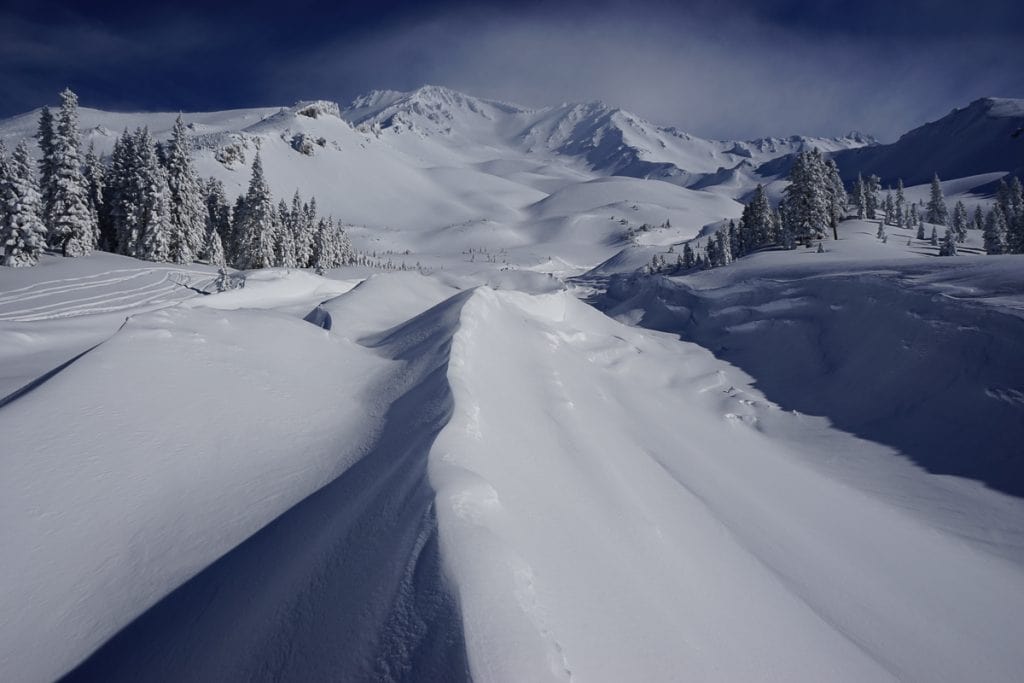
(884, 339)
(420, 479)
(969, 141)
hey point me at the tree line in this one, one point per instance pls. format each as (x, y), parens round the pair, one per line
(816, 200)
(148, 202)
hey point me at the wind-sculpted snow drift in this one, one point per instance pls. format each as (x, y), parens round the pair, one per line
(472, 483)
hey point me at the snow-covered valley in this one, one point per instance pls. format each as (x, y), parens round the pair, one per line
(529, 458)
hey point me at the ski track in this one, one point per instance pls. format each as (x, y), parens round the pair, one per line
(164, 290)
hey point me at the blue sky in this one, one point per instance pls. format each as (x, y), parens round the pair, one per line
(723, 68)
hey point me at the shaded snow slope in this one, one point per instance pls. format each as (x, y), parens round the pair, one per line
(448, 477)
(968, 141)
(901, 348)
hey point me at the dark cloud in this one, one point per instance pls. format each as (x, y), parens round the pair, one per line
(723, 69)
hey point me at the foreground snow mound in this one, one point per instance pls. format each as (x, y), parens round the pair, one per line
(921, 354)
(153, 455)
(435, 482)
(615, 505)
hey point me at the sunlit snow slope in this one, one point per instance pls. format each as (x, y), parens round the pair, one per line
(428, 480)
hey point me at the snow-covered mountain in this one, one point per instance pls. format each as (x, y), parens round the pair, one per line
(804, 465)
(974, 140)
(606, 140)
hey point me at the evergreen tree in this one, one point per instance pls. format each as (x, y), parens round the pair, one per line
(214, 249)
(148, 234)
(258, 223)
(303, 232)
(978, 222)
(901, 205)
(871, 188)
(284, 250)
(93, 174)
(188, 214)
(1014, 213)
(995, 235)
(218, 211)
(118, 194)
(724, 248)
(860, 199)
(22, 234)
(837, 198)
(948, 247)
(936, 211)
(960, 221)
(688, 260)
(889, 207)
(806, 208)
(935, 237)
(72, 224)
(734, 246)
(47, 166)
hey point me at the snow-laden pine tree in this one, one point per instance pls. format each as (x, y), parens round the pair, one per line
(118, 194)
(93, 173)
(188, 213)
(688, 260)
(837, 198)
(978, 221)
(724, 248)
(22, 234)
(936, 212)
(901, 205)
(960, 221)
(303, 232)
(734, 246)
(47, 169)
(257, 224)
(218, 211)
(996, 231)
(284, 249)
(1013, 210)
(889, 208)
(756, 225)
(149, 219)
(871, 187)
(948, 246)
(213, 251)
(934, 238)
(806, 212)
(860, 200)
(71, 223)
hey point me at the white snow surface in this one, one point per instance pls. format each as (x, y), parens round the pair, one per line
(602, 502)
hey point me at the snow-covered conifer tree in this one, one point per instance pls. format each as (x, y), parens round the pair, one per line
(72, 224)
(948, 246)
(806, 213)
(936, 211)
(901, 205)
(860, 199)
(871, 188)
(960, 221)
(187, 211)
(22, 234)
(995, 234)
(258, 223)
(93, 173)
(47, 167)
(935, 237)
(889, 207)
(149, 220)
(688, 260)
(284, 249)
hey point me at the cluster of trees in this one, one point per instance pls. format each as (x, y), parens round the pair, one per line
(1003, 226)
(816, 200)
(147, 201)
